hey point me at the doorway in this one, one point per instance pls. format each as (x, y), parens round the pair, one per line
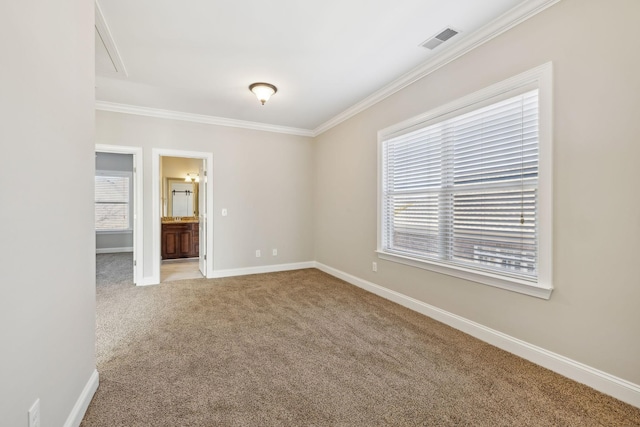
(180, 220)
(119, 205)
(182, 200)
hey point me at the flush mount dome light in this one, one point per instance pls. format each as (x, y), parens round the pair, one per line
(263, 91)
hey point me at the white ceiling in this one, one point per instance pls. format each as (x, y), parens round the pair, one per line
(199, 56)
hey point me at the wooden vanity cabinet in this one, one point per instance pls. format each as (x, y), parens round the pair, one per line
(180, 240)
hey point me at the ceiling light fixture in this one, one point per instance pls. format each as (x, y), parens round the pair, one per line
(263, 91)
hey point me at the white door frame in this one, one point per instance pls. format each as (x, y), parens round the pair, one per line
(138, 217)
(156, 208)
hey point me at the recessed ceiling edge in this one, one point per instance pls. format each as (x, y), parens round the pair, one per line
(107, 39)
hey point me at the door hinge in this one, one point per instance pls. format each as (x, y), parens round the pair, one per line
(135, 262)
(205, 257)
(205, 173)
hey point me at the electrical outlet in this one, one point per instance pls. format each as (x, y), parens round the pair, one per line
(258, 254)
(374, 266)
(274, 252)
(34, 414)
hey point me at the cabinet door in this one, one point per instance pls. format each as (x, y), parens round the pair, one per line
(170, 244)
(185, 243)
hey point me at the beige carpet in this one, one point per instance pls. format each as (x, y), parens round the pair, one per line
(302, 348)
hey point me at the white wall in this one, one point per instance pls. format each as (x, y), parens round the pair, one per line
(47, 302)
(263, 179)
(593, 314)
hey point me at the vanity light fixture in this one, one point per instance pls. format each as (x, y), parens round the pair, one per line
(263, 91)
(189, 178)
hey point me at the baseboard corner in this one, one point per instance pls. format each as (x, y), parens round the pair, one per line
(80, 408)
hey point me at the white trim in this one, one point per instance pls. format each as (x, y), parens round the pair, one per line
(113, 250)
(148, 281)
(263, 269)
(540, 77)
(496, 280)
(138, 212)
(198, 118)
(619, 388)
(107, 39)
(126, 231)
(493, 29)
(217, 274)
(77, 413)
(156, 154)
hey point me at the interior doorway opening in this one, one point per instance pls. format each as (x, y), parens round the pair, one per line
(118, 207)
(180, 219)
(182, 199)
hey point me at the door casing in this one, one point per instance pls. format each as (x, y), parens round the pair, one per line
(156, 208)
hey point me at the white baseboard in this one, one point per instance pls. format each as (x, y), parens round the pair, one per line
(113, 250)
(218, 274)
(261, 269)
(77, 413)
(148, 280)
(606, 383)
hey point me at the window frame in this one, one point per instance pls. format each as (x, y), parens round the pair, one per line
(540, 78)
(108, 173)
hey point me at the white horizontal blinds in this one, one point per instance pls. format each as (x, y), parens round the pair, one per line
(112, 202)
(415, 160)
(413, 168)
(463, 190)
(488, 234)
(496, 155)
(414, 226)
(495, 143)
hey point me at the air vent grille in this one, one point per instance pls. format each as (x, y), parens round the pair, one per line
(440, 38)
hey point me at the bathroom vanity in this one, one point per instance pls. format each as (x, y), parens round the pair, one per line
(180, 238)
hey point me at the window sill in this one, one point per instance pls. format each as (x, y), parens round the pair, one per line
(503, 282)
(128, 231)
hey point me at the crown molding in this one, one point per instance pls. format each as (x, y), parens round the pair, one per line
(199, 118)
(503, 23)
(517, 15)
(107, 39)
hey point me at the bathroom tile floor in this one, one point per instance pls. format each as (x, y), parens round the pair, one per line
(181, 269)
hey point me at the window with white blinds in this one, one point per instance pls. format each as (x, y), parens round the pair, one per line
(461, 190)
(112, 202)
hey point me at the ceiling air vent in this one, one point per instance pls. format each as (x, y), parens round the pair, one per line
(440, 38)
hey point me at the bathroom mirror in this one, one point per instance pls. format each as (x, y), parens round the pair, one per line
(181, 198)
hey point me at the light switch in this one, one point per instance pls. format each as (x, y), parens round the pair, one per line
(224, 212)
